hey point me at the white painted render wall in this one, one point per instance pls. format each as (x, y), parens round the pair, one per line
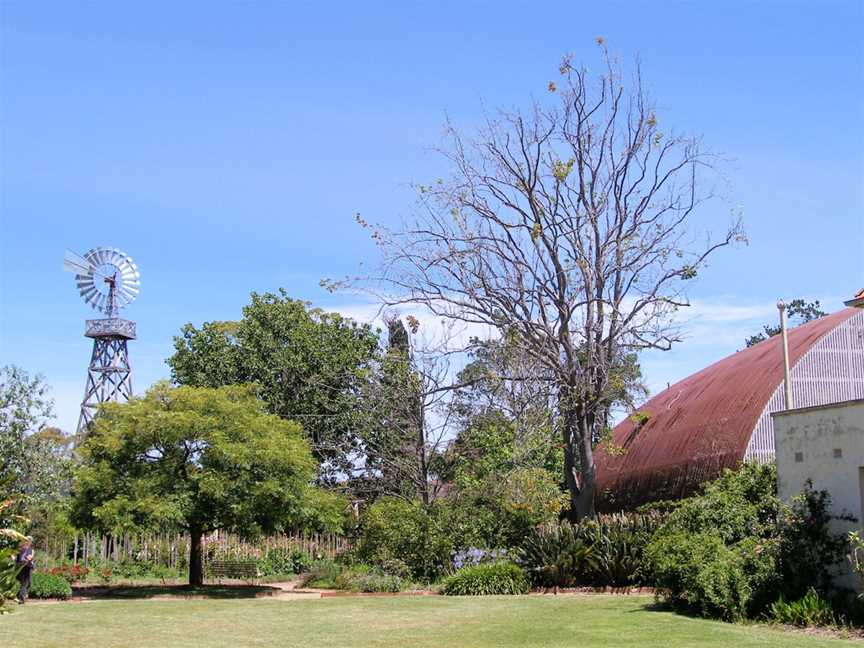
(824, 444)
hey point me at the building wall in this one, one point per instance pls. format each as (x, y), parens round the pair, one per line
(832, 371)
(824, 444)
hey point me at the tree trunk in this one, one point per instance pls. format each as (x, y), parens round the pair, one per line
(585, 503)
(196, 562)
(580, 479)
(571, 477)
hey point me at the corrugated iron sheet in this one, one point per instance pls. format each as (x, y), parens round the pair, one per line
(700, 425)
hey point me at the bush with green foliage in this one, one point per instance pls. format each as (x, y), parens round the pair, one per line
(617, 545)
(856, 557)
(809, 552)
(134, 569)
(48, 586)
(126, 569)
(8, 580)
(276, 562)
(323, 574)
(394, 529)
(555, 556)
(376, 581)
(486, 579)
(810, 610)
(701, 573)
(731, 551)
(603, 551)
(360, 577)
(10, 539)
(500, 509)
(503, 480)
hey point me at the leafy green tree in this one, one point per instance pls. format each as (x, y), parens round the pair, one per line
(198, 459)
(32, 464)
(395, 458)
(502, 484)
(798, 311)
(309, 365)
(395, 530)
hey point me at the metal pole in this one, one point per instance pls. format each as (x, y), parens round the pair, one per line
(787, 379)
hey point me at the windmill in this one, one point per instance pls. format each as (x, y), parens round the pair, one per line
(108, 280)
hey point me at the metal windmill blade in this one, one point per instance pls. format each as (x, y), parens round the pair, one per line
(107, 278)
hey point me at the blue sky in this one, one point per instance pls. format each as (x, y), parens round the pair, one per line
(226, 146)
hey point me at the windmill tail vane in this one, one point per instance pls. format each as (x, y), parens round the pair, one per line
(107, 279)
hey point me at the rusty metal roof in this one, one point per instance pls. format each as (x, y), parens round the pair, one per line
(700, 425)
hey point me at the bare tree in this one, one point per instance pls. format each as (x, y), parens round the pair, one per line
(569, 228)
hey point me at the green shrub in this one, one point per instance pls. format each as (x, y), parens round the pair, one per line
(393, 529)
(809, 552)
(606, 551)
(739, 504)
(276, 562)
(617, 545)
(501, 508)
(376, 582)
(486, 579)
(717, 554)
(360, 577)
(344, 580)
(810, 610)
(48, 586)
(396, 567)
(323, 574)
(133, 569)
(701, 573)
(729, 552)
(856, 557)
(163, 572)
(8, 573)
(555, 556)
(300, 561)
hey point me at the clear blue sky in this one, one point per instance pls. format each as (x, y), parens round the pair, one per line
(227, 145)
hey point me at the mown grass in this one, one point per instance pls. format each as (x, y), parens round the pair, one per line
(419, 622)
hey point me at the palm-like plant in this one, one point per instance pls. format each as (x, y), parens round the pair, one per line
(9, 541)
(555, 556)
(617, 542)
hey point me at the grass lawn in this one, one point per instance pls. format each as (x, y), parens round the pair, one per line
(416, 622)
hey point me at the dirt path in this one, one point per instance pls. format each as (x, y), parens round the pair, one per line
(290, 592)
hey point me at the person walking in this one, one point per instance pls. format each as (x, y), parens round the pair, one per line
(25, 562)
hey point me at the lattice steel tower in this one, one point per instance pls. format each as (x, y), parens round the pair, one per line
(108, 280)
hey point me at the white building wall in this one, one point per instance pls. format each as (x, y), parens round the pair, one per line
(826, 446)
(832, 371)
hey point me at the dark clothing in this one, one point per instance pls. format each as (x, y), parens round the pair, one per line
(24, 562)
(25, 578)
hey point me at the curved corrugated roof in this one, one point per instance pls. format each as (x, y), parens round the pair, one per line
(699, 425)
